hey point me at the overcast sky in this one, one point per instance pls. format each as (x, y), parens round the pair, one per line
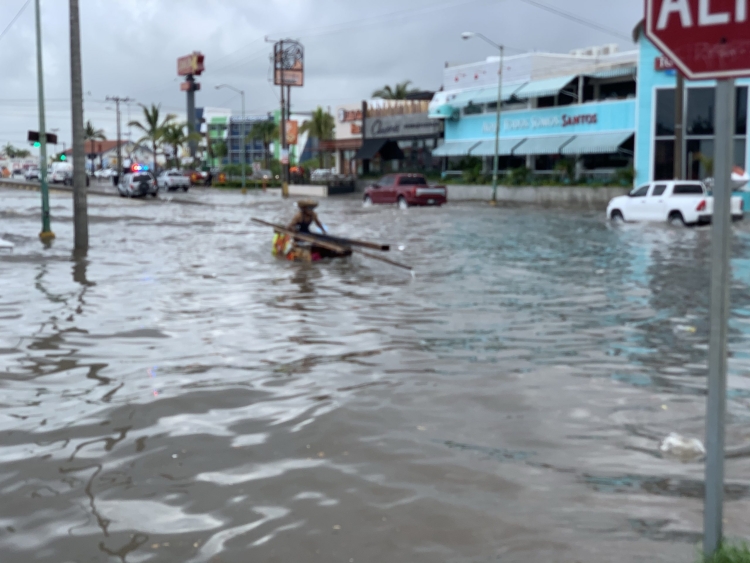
(352, 47)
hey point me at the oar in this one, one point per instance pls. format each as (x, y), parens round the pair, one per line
(336, 248)
(362, 243)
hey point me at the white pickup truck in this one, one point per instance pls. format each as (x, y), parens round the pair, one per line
(680, 202)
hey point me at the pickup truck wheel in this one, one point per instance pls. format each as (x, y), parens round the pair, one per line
(367, 202)
(676, 219)
(402, 203)
(616, 216)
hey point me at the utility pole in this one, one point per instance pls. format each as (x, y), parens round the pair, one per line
(80, 207)
(282, 134)
(46, 235)
(117, 100)
(289, 118)
(243, 134)
(679, 128)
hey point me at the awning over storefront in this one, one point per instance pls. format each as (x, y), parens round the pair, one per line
(446, 111)
(507, 147)
(616, 72)
(546, 87)
(552, 144)
(388, 150)
(486, 95)
(455, 148)
(597, 143)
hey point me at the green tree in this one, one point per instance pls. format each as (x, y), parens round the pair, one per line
(267, 131)
(152, 127)
(91, 134)
(399, 92)
(12, 152)
(321, 127)
(176, 136)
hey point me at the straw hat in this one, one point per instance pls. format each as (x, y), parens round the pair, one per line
(307, 204)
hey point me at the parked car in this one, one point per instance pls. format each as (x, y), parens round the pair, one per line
(17, 174)
(322, 174)
(104, 173)
(137, 184)
(677, 202)
(32, 174)
(173, 180)
(405, 190)
(197, 177)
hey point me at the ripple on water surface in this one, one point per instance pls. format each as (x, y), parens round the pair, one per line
(179, 395)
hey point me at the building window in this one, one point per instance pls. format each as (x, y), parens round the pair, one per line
(700, 111)
(700, 158)
(664, 160)
(473, 109)
(740, 151)
(665, 113)
(741, 113)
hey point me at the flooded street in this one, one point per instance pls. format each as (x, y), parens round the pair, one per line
(179, 395)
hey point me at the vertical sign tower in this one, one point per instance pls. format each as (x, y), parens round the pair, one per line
(191, 66)
(288, 71)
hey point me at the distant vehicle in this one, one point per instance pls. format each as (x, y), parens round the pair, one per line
(262, 175)
(322, 174)
(60, 173)
(676, 202)
(17, 173)
(32, 174)
(197, 177)
(406, 190)
(173, 180)
(104, 173)
(137, 183)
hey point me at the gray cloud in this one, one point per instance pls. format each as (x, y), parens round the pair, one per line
(352, 47)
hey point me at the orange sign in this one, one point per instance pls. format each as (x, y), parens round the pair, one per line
(222, 178)
(292, 132)
(191, 64)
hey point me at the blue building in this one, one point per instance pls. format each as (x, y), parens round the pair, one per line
(238, 130)
(605, 110)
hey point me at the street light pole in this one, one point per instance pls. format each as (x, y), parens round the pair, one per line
(80, 205)
(496, 163)
(46, 235)
(242, 141)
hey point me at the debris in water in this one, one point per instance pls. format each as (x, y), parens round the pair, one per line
(684, 449)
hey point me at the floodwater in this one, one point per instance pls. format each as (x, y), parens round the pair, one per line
(179, 395)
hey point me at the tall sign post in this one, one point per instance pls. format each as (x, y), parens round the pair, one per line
(46, 234)
(707, 39)
(289, 71)
(191, 66)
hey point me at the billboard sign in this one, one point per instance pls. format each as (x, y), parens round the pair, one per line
(401, 126)
(289, 63)
(292, 132)
(191, 64)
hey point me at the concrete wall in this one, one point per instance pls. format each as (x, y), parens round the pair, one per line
(543, 195)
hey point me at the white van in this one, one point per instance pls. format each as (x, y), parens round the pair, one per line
(60, 173)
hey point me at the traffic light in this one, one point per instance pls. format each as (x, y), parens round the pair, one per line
(37, 145)
(63, 158)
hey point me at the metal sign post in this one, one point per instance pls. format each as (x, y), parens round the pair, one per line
(719, 316)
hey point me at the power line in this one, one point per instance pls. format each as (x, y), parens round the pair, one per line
(577, 19)
(18, 15)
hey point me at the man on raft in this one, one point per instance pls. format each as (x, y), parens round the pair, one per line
(306, 217)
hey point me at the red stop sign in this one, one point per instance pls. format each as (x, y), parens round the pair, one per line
(705, 38)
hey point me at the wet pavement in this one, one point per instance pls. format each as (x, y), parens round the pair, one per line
(179, 395)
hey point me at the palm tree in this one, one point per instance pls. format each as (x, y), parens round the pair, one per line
(12, 152)
(321, 127)
(267, 131)
(152, 128)
(398, 93)
(176, 136)
(91, 133)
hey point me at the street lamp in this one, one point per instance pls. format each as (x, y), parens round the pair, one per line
(468, 35)
(242, 141)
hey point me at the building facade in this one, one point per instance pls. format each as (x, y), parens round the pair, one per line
(579, 107)
(601, 109)
(239, 130)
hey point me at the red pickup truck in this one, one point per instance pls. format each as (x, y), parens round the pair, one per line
(405, 190)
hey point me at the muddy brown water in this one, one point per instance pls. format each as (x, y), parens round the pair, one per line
(179, 395)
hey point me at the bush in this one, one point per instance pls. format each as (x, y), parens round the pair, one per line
(625, 176)
(519, 176)
(730, 554)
